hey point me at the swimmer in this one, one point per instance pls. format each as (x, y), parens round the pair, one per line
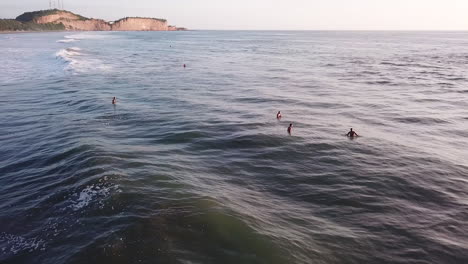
(114, 100)
(185, 65)
(278, 115)
(290, 128)
(351, 133)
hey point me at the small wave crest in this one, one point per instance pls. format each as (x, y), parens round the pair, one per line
(69, 54)
(77, 37)
(68, 40)
(92, 193)
(71, 51)
(79, 62)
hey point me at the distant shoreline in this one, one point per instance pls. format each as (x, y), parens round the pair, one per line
(77, 31)
(32, 31)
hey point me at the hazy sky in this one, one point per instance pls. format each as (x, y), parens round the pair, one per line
(272, 14)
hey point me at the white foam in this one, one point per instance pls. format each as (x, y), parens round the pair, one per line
(73, 51)
(69, 54)
(80, 62)
(92, 193)
(16, 244)
(67, 40)
(89, 36)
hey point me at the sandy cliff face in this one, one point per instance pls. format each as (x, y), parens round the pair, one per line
(88, 25)
(76, 22)
(140, 24)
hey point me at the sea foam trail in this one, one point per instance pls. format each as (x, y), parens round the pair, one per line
(88, 36)
(69, 54)
(68, 40)
(79, 62)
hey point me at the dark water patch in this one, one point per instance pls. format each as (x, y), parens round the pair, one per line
(459, 133)
(181, 137)
(373, 122)
(421, 120)
(435, 73)
(240, 142)
(357, 62)
(367, 72)
(446, 84)
(394, 64)
(382, 82)
(417, 78)
(117, 115)
(325, 105)
(250, 100)
(428, 100)
(170, 234)
(455, 79)
(411, 63)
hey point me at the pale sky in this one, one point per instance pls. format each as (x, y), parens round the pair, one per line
(271, 14)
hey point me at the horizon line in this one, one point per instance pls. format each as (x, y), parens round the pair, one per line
(360, 30)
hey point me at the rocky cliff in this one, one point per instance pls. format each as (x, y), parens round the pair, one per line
(71, 21)
(88, 25)
(136, 23)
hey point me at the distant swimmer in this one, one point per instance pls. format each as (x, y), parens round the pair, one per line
(114, 100)
(290, 128)
(351, 133)
(185, 65)
(278, 115)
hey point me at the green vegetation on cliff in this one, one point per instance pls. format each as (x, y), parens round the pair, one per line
(30, 16)
(14, 25)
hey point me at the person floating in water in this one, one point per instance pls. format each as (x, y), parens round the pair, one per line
(278, 115)
(351, 133)
(290, 128)
(114, 100)
(185, 65)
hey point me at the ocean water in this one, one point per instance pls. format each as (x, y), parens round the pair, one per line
(192, 166)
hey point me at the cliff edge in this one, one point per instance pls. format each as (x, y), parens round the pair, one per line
(137, 23)
(66, 20)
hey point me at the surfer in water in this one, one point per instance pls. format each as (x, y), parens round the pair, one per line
(278, 115)
(352, 134)
(114, 100)
(290, 128)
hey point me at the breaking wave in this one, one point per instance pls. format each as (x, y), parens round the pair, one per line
(80, 62)
(69, 55)
(68, 40)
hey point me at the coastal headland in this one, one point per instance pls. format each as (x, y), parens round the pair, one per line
(62, 20)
